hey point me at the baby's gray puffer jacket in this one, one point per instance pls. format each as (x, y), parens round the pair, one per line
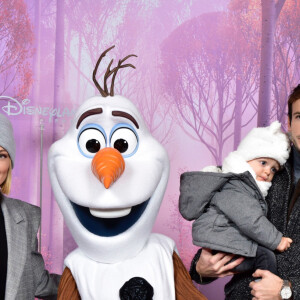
(229, 212)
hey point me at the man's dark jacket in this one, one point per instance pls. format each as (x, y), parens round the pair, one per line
(284, 212)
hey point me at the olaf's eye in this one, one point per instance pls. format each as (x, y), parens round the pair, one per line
(125, 140)
(91, 140)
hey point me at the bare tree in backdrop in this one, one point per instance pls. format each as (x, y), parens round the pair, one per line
(200, 71)
(16, 47)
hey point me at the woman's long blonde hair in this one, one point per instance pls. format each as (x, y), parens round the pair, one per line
(5, 186)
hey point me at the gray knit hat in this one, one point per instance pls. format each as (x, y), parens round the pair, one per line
(7, 140)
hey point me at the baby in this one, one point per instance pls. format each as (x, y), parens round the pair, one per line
(229, 208)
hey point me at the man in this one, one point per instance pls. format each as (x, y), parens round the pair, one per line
(284, 212)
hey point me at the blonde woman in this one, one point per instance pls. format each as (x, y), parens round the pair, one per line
(23, 274)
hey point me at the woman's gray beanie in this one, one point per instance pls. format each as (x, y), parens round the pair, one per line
(7, 140)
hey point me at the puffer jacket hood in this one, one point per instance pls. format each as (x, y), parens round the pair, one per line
(198, 188)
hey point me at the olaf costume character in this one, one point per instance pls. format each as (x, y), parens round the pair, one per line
(109, 176)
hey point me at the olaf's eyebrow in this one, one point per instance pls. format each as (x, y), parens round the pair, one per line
(88, 113)
(118, 113)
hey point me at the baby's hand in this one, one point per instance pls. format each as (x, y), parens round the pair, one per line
(284, 244)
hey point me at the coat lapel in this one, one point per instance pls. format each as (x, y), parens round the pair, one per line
(15, 227)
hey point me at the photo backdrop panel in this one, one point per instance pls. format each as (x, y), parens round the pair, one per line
(196, 83)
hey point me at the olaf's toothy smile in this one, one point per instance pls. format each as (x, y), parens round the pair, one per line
(104, 225)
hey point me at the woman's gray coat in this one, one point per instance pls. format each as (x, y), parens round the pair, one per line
(229, 212)
(26, 274)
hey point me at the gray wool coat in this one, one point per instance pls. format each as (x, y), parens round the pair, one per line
(26, 274)
(229, 212)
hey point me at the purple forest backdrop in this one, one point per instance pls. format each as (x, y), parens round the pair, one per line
(207, 71)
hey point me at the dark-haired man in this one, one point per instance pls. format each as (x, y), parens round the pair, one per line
(284, 212)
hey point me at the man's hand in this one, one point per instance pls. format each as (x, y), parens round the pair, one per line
(268, 288)
(210, 265)
(284, 244)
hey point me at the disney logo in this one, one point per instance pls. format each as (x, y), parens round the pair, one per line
(14, 107)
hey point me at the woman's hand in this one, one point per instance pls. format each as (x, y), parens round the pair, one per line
(210, 265)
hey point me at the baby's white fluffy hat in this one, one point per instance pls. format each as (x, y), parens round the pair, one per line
(268, 142)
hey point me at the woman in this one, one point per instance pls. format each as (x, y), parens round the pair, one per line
(23, 274)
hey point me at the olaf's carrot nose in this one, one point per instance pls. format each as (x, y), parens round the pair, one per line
(108, 165)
